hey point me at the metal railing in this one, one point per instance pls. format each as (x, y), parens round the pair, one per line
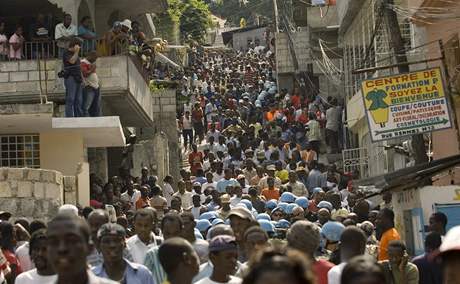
(356, 160)
(49, 49)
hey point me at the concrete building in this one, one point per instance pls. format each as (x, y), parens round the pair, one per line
(33, 132)
(239, 39)
(365, 43)
(300, 52)
(432, 28)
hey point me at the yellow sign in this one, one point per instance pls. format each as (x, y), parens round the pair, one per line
(406, 104)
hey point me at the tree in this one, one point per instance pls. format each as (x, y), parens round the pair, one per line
(195, 20)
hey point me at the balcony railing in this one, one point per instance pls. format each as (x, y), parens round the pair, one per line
(32, 50)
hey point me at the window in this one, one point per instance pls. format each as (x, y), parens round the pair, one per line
(18, 151)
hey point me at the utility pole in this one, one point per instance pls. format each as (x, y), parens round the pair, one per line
(397, 43)
(277, 19)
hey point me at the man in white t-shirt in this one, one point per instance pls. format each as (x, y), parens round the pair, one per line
(43, 273)
(352, 243)
(209, 182)
(223, 254)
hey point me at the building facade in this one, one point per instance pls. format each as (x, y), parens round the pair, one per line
(33, 131)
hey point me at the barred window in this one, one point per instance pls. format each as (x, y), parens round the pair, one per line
(17, 151)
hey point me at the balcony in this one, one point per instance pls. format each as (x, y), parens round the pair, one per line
(124, 87)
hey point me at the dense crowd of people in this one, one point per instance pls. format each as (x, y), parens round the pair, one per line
(258, 202)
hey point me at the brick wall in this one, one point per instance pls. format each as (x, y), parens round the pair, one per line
(23, 76)
(33, 193)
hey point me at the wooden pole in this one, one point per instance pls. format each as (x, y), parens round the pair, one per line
(396, 41)
(449, 96)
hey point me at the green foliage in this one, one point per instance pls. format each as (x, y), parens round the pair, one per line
(234, 10)
(195, 20)
(154, 86)
(175, 9)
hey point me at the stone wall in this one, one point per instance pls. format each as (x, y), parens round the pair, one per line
(23, 76)
(32, 193)
(164, 133)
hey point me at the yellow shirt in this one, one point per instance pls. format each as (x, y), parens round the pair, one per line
(283, 175)
(390, 235)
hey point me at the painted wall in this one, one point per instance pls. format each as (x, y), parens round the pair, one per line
(240, 40)
(65, 152)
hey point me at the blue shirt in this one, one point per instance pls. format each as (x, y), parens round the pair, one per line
(88, 44)
(223, 183)
(134, 273)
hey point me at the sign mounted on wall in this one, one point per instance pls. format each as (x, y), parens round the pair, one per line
(406, 104)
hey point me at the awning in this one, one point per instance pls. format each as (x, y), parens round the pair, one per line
(411, 177)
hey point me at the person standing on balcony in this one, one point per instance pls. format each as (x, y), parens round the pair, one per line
(64, 33)
(86, 32)
(138, 35)
(91, 94)
(3, 42)
(73, 79)
(40, 38)
(16, 44)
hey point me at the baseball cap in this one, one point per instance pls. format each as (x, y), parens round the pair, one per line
(222, 243)
(325, 204)
(240, 177)
(196, 184)
(241, 212)
(5, 214)
(271, 168)
(260, 154)
(111, 229)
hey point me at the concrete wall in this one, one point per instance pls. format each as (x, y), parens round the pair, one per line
(240, 40)
(31, 193)
(23, 76)
(301, 41)
(122, 85)
(164, 111)
(71, 160)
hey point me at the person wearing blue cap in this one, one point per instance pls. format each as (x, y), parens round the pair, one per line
(277, 214)
(263, 216)
(325, 204)
(270, 205)
(331, 232)
(267, 226)
(287, 197)
(111, 241)
(223, 254)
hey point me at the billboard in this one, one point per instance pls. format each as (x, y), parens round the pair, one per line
(406, 104)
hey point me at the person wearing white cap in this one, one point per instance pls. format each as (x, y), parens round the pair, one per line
(68, 209)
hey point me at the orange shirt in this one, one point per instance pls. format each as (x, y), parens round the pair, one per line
(271, 193)
(141, 202)
(390, 235)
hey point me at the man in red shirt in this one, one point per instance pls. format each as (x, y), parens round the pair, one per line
(197, 121)
(195, 159)
(305, 237)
